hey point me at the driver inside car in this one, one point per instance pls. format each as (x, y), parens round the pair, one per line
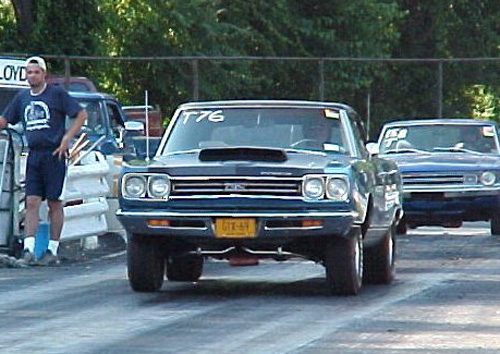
(318, 136)
(472, 138)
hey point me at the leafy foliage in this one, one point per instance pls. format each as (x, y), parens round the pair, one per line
(310, 29)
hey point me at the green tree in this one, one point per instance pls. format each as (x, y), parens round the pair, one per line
(55, 28)
(441, 29)
(299, 28)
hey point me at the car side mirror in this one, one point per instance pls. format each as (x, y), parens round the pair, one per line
(372, 148)
(134, 126)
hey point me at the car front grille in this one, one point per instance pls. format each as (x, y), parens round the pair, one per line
(434, 179)
(240, 186)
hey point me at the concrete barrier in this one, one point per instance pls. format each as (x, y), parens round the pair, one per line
(84, 195)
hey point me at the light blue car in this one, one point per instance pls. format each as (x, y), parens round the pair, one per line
(450, 170)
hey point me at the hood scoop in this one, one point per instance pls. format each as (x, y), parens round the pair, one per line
(243, 154)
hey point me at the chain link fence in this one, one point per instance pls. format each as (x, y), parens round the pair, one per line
(380, 89)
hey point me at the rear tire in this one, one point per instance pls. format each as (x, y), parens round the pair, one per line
(145, 264)
(379, 260)
(344, 264)
(184, 268)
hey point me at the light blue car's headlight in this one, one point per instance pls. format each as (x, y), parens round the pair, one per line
(487, 178)
(313, 188)
(158, 186)
(134, 186)
(337, 188)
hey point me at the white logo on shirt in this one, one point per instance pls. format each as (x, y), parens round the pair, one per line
(37, 116)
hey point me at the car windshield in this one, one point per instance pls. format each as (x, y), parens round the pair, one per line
(440, 137)
(288, 128)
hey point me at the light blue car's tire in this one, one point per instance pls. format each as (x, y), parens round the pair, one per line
(402, 228)
(495, 225)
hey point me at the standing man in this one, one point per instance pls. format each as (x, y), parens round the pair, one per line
(43, 110)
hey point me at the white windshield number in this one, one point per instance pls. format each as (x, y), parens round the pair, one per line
(211, 116)
(393, 135)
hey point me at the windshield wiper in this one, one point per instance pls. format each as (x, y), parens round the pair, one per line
(405, 151)
(456, 149)
(181, 152)
(310, 152)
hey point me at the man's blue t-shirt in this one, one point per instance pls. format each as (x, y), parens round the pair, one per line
(43, 115)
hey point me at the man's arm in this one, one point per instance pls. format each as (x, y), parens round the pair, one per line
(62, 150)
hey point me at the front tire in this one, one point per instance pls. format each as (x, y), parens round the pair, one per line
(379, 260)
(344, 264)
(145, 264)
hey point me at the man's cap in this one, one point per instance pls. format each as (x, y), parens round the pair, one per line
(37, 61)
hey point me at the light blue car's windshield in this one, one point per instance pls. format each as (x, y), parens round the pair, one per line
(439, 138)
(301, 129)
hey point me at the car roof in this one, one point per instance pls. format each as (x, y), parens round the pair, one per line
(91, 95)
(436, 121)
(75, 83)
(264, 103)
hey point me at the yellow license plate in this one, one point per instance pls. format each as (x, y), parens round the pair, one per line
(235, 227)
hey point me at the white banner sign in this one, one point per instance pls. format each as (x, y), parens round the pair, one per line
(13, 73)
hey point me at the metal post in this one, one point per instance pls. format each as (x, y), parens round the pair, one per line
(146, 107)
(321, 72)
(67, 72)
(368, 114)
(196, 88)
(440, 90)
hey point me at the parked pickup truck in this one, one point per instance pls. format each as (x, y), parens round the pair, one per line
(138, 113)
(105, 118)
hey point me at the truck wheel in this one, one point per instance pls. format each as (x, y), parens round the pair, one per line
(184, 268)
(495, 225)
(145, 264)
(344, 264)
(379, 265)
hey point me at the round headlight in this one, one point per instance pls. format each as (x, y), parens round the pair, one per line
(159, 186)
(134, 186)
(487, 178)
(337, 188)
(314, 188)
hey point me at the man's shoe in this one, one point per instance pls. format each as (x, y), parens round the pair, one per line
(27, 259)
(48, 259)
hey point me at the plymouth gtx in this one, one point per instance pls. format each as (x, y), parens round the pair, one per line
(261, 179)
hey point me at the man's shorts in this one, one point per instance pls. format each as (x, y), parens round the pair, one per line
(45, 174)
